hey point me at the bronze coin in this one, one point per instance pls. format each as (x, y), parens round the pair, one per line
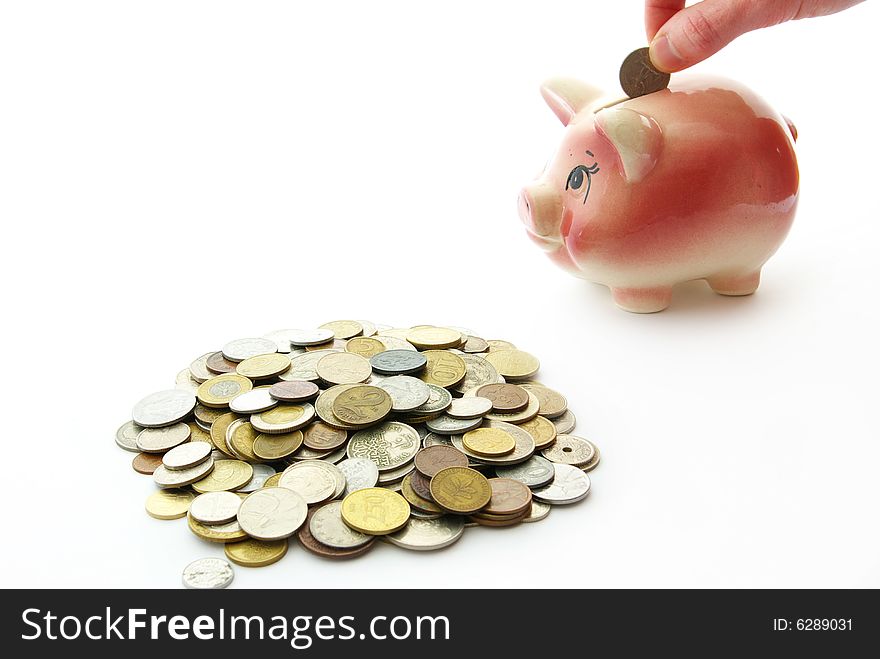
(509, 497)
(218, 364)
(307, 540)
(421, 485)
(321, 437)
(638, 75)
(505, 397)
(294, 391)
(146, 463)
(435, 458)
(484, 521)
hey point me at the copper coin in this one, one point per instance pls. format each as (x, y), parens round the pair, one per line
(505, 397)
(146, 463)
(307, 540)
(638, 75)
(435, 458)
(217, 363)
(484, 521)
(509, 497)
(294, 391)
(321, 437)
(421, 485)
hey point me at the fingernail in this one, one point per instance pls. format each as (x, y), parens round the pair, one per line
(664, 55)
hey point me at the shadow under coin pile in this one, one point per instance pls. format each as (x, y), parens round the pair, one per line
(353, 432)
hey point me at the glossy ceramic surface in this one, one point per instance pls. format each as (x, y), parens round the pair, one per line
(698, 181)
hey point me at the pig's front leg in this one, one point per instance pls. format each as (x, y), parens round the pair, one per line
(740, 284)
(642, 300)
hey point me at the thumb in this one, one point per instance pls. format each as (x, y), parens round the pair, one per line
(695, 33)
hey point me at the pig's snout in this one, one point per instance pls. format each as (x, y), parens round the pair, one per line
(540, 209)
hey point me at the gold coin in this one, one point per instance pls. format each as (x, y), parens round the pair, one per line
(227, 476)
(272, 481)
(491, 442)
(498, 344)
(320, 436)
(255, 553)
(364, 346)
(283, 419)
(230, 532)
(444, 368)
(343, 368)
(263, 366)
(218, 432)
(375, 511)
(324, 407)
(362, 405)
(198, 434)
(542, 431)
(344, 329)
(240, 437)
(416, 501)
(217, 392)
(206, 414)
(513, 364)
(275, 447)
(460, 490)
(552, 403)
(428, 337)
(169, 504)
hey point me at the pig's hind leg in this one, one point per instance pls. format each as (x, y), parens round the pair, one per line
(741, 284)
(642, 300)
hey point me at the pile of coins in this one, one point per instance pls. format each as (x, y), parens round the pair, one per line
(352, 432)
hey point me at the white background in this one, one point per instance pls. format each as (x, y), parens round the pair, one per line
(174, 175)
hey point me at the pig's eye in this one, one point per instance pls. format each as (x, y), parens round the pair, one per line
(580, 179)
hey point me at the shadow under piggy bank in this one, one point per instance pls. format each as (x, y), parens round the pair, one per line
(695, 182)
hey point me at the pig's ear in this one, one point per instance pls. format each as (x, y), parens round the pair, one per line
(637, 138)
(567, 96)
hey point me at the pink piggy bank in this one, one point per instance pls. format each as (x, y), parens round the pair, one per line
(697, 181)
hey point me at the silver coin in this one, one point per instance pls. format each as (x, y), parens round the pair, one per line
(432, 439)
(370, 329)
(126, 436)
(446, 425)
(524, 449)
(261, 474)
(534, 472)
(306, 453)
(187, 455)
(538, 512)
(439, 401)
(204, 426)
(185, 382)
(213, 508)
(199, 370)
(272, 513)
(159, 440)
(421, 534)
(360, 473)
(311, 337)
(303, 367)
(208, 573)
(270, 428)
(281, 339)
(420, 515)
(570, 450)
(164, 477)
(471, 407)
(241, 349)
(479, 372)
(328, 528)
(163, 408)
(252, 402)
(475, 344)
(569, 485)
(398, 362)
(407, 393)
(396, 475)
(390, 445)
(395, 343)
(334, 457)
(314, 480)
(565, 423)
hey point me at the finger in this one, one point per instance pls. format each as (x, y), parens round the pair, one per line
(699, 31)
(657, 12)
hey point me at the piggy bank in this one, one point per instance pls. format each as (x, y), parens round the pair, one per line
(697, 181)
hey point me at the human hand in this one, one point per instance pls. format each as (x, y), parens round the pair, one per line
(681, 37)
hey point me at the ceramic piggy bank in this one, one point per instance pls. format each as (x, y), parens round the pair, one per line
(697, 181)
